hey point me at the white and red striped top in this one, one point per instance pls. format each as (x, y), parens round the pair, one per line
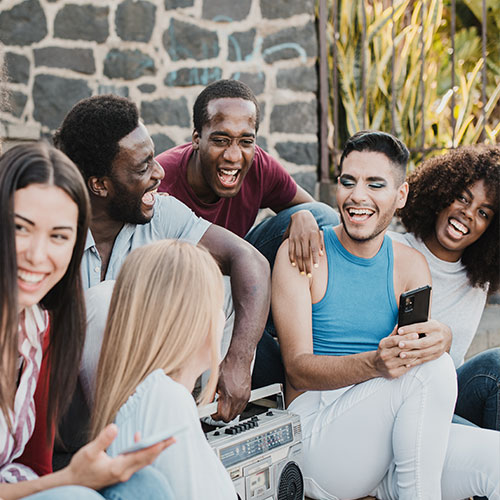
(33, 324)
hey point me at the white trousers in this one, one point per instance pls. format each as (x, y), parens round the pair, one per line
(393, 439)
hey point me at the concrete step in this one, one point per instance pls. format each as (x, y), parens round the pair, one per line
(488, 332)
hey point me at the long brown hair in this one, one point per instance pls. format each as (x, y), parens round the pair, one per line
(21, 166)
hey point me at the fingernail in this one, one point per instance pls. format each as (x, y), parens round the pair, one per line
(309, 275)
(316, 265)
(321, 252)
(401, 344)
(302, 272)
(293, 264)
(403, 355)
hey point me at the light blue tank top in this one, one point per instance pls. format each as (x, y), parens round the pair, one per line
(359, 307)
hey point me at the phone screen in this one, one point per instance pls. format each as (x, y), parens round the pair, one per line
(156, 438)
(414, 306)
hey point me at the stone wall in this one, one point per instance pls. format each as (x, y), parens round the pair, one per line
(161, 53)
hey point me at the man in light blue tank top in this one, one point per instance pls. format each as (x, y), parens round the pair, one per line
(375, 401)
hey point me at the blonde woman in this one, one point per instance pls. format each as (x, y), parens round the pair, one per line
(164, 327)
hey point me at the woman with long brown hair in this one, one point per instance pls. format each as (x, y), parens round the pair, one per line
(44, 210)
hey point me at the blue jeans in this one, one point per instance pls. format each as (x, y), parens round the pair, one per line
(479, 389)
(267, 238)
(146, 483)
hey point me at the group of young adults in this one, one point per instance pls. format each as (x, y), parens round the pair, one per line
(105, 276)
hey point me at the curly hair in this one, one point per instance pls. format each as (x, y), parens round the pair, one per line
(220, 90)
(91, 130)
(437, 183)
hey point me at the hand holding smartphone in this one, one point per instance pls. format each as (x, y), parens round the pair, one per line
(156, 438)
(414, 307)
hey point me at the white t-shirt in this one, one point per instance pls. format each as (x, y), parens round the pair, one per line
(190, 465)
(454, 301)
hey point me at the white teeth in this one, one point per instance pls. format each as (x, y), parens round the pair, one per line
(30, 277)
(458, 226)
(229, 172)
(360, 211)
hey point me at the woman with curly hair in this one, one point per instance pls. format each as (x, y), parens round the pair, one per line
(452, 218)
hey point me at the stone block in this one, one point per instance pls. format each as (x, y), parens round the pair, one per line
(178, 4)
(301, 79)
(82, 22)
(18, 68)
(240, 45)
(226, 10)
(54, 96)
(147, 88)
(300, 153)
(295, 118)
(24, 24)
(135, 20)
(186, 77)
(291, 43)
(81, 60)
(122, 91)
(307, 180)
(17, 101)
(128, 64)
(262, 142)
(187, 41)
(162, 142)
(256, 81)
(166, 112)
(281, 9)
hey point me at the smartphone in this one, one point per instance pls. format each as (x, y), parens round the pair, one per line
(156, 438)
(414, 307)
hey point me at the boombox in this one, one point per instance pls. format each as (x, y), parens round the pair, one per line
(262, 453)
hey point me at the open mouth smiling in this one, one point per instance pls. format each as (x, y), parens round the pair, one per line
(148, 198)
(228, 177)
(456, 228)
(359, 214)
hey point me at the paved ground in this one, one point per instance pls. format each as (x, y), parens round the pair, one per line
(488, 334)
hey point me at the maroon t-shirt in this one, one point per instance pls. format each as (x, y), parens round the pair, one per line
(266, 185)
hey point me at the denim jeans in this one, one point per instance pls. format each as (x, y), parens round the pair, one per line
(147, 484)
(479, 389)
(267, 238)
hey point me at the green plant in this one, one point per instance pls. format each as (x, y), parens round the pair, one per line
(414, 99)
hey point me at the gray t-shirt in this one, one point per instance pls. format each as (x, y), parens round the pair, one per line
(454, 301)
(171, 219)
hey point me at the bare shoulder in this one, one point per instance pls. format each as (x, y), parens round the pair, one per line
(410, 268)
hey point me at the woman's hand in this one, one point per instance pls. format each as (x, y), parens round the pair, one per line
(92, 467)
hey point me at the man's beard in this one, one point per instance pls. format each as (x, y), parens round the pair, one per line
(124, 208)
(382, 225)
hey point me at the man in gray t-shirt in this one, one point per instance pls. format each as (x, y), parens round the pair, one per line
(114, 152)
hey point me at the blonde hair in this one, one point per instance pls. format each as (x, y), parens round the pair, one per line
(166, 300)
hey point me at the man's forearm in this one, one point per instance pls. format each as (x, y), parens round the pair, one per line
(311, 372)
(251, 293)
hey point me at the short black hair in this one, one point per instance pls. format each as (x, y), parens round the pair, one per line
(375, 141)
(91, 130)
(219, 90)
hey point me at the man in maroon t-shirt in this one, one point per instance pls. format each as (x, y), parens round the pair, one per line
(224, 177)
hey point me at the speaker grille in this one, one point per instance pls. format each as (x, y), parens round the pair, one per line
(291, 484)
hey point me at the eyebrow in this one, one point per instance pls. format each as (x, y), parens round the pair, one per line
(144, 160)
(221, 132)
(487, 205)
(31, 223)
(369, 179)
